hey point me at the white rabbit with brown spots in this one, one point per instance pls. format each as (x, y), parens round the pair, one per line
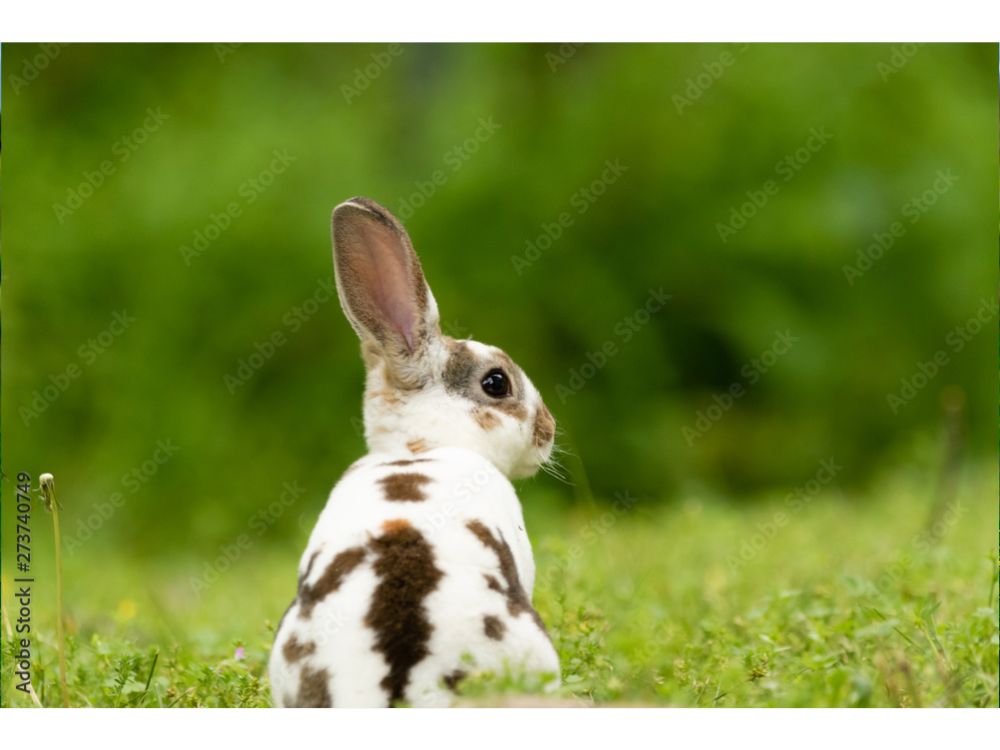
(419, 571)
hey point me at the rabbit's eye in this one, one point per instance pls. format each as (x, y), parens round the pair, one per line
(496, 384)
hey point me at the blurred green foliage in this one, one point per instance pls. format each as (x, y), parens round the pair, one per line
(823, 219)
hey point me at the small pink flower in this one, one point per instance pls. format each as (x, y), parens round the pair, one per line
(240, 653)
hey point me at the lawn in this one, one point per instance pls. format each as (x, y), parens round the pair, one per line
(817, 597)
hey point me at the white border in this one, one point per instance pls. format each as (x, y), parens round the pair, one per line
(513, 20)
(501, 729)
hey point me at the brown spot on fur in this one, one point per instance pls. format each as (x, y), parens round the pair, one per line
(404, 563)
(460, 367)
(514, 408)
(407, 461)
(339, 568)
(395, 525)
(485, 418)
(494, 627)
(417, 446)
(309, 567)
(294, 649)
(314, 688)
(404, 486)
(389, 395)
(517, 599)
(545, 427)
(452, 679)
(492, 583)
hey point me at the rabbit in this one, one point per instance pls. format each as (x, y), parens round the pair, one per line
(419, 571)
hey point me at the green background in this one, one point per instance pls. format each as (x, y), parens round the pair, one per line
(780, 483)
(842, 140)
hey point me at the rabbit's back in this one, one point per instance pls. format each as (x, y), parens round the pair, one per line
(418, 572)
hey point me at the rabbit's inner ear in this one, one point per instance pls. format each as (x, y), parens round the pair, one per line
(381, 285)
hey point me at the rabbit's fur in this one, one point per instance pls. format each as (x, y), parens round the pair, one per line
(419, 570)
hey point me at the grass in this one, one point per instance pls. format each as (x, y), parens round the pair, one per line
(887, 598)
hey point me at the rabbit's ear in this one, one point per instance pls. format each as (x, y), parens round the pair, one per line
(380, 282)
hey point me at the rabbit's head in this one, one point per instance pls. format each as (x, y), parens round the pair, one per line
(423, 389)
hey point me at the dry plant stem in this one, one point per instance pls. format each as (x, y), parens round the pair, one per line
(34, 695)
(47, 486)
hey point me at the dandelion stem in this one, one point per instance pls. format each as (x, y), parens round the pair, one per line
(47, 485)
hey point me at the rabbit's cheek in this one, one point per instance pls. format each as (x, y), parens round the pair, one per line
(544, 428)
(485, 418)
